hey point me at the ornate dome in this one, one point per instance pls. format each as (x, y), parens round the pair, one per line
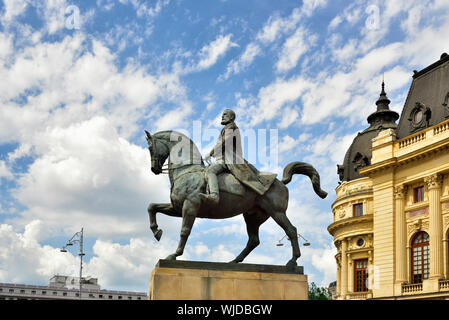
(359, 153)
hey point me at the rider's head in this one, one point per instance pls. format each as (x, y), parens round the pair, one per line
(228, 116)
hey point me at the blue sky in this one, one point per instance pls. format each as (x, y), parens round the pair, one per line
(83, 79)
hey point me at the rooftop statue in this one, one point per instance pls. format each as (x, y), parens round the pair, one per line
(224, 189)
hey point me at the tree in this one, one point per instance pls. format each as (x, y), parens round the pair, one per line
(319, 293)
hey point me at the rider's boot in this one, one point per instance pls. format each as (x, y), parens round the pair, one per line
(213, 196)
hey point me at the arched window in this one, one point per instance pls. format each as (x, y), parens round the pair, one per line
(420, 257)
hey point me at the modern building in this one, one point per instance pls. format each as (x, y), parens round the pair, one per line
(65, 288)
(391, 214)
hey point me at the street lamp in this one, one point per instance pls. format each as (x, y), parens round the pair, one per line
(77, 237)
(305, 244)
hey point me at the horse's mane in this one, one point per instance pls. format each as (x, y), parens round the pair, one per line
(167, 136)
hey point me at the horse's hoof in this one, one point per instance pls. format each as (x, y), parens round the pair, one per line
(171, 257)
(291, 265)
(158, 234)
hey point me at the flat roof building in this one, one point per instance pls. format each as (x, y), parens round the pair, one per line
(66, 288)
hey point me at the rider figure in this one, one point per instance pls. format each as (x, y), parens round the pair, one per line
(228, 155)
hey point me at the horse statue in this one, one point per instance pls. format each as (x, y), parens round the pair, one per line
(186, 173)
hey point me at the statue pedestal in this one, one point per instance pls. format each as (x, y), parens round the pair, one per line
(195, 280)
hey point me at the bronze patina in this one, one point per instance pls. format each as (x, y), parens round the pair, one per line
(222, 191)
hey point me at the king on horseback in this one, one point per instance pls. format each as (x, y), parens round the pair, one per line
(229, 157)
(244, 190)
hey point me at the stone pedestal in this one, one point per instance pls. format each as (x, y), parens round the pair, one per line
(194, 280)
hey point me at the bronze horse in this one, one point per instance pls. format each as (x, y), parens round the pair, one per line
(185, 169)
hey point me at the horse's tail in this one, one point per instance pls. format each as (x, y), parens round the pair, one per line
(306, 169)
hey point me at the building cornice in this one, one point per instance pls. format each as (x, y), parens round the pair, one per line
(351, 221)
(425, 151)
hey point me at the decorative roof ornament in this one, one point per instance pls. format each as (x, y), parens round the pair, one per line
(383, 102)
(383, 113)
(359, 153)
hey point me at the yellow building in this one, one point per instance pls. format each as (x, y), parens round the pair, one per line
(391, 214)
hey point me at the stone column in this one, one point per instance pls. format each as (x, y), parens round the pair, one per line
(339, 279)
(445, 255)
(344, 269)
(338, 261)
(435, 226)
(350, 274)
(401, 235)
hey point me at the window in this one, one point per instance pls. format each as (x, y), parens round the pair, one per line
(22, 291)
(55, 293)
(91, 295)
(360, 275)
(358, 209)
(64, 294)
(417, 117)
(130, 298)
(100, 296)
(138, 298)
(418, 194)
(110, 297)
(420, 257)
(120, 297)
(360, 242)
(33, 291)
(11, 290)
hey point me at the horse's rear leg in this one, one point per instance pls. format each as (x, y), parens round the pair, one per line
(282, 220)
(253, 222)
(189, 212)
(154, 208)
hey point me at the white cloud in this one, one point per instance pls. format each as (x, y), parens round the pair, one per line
(324, 261)
(211, 52)
(277, 25)
(24, 260)
(12, 9)
(287, 143)
(144, 10)
(309, 6)
(236, 66)
(126, 266)
(289, 117)
(117, 266)
(274, 96)
(5, 172)
(335, 22)
(294, 47)
(87, 174)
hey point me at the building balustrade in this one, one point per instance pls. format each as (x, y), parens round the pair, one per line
(358, 295)
(412, 140)
(444, 285)
(441, 128)
(411, 288)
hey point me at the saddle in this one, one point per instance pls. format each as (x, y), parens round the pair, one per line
(230, 184)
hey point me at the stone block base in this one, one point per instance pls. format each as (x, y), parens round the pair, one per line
(194, 280)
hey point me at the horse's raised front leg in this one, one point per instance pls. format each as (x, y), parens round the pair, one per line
(253, 222)
(189, 212)
(154, 208)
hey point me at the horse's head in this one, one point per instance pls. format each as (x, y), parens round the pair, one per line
(159, 152)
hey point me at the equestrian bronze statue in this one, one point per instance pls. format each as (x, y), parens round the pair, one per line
(229, 187)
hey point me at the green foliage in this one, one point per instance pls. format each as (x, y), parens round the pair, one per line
(319, 293)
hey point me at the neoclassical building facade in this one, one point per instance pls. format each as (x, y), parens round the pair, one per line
(391, 213)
